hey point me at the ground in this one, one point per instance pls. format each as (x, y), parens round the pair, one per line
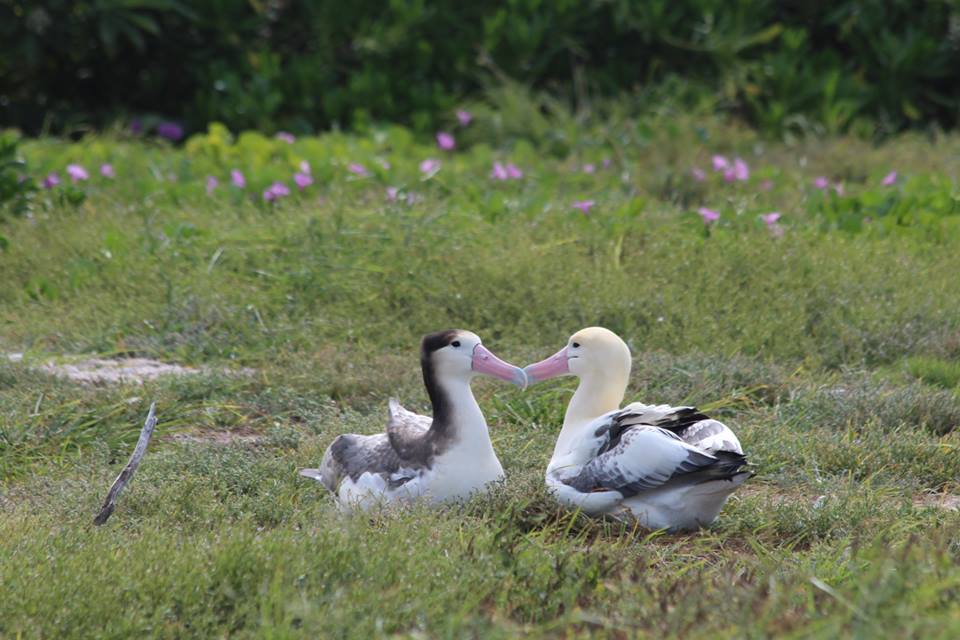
(828, 339)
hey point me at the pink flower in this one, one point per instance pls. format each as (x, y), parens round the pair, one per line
(237, 179)
(729, 175)
(821, 182)
(513, 171)
(838, 188)
(77, 173)
(499, 172)
(445, 141)
(392, 193)
(588, 168)
(720, 163)
(51, 181)
(464, 117)
(741, 171)
(584, 206)
(302, 180)
(358, 169)
(276, 191)
(429, 167)
(889, 179)
(284, 136)
(106, 170)
(771, 218)
(606, 163)
(698, 174)
(766, 185)
(305, 167)
(709, 215)
(385, 164)
(212, 184)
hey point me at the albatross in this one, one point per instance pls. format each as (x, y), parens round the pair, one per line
(667, 467)
(441, 459)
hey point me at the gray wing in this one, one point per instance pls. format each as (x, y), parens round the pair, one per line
(407, 432)
(690, 424)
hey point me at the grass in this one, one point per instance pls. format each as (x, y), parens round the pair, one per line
(831, 349)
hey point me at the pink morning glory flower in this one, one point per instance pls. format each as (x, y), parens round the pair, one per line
(584, 206)
(720, 163)
(729, 175)
(392, 193)
(285, 136)
(499, 172)
(589, 168)
(709, 215)
(464, 117)
(513, 171)
(51, 181)
(889, 179)
(741, 171)
(106, 170)
(304, 167)
(77, 173)
(821, 182)
(429, 167)
(276, 191)
(212, 184)
(771, 218)
(446, 141)
(237, 179)
(698, 174)
(358, 169)
(302, 180)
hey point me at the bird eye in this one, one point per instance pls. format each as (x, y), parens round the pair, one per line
(575, 345)
(455, 343)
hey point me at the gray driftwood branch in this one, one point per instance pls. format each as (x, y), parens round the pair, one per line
(127, 474)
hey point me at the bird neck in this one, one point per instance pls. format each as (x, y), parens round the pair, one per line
(595, 395)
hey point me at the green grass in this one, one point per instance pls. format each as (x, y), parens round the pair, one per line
(832, 351)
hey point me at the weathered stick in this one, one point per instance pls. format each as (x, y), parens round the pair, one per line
(127, 474)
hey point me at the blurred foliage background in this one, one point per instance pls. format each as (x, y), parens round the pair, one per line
(870, 66)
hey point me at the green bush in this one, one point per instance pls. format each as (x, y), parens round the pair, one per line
(869, 65)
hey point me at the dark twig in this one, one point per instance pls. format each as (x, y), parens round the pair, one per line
(127, 474)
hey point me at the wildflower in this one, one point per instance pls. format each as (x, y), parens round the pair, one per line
(392, 193)
(606, 163)
(106, 170)
(276, 191)
(838, 188)
(170, 130)
(589, 168)
(445, 141)
(513, 171)
(741, 171)
(385, 164)
(821, 182)
(889, 179)
(51, 181)
(429, 167)
(729, 175)
(212, 184)
(302, 180)
(720, 163)
(305, 167)
(499, 172)
(237, 179)
(358, 169)
(284, 136)
(771, 218)
(766, 185)
(698, 174)
(709, 215)
(464, 117)
(584, 206)
(136, 127)
(77, 173)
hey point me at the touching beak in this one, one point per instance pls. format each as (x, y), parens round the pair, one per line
(556, 365)
(485, 362)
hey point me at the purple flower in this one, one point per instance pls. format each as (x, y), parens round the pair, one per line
(77, 173)
(464, 117)
(170, 130)
(136, 127)
(741, 171)
(698, 174)
(709, 215)
(51, 181)
(821, 182)
(499, 172)
(392, 193)
(889, 179)
(606, 163)
(771, 218)
(302, 180)
(276, 191)
(106, 170)
(445, 141)
(588, 168)
(305, 167)
(720, 163)
(237, 179)
(584, 206)
(513, 171)
(385, 164)
(429, 167)
(358, 169)
(729, 175)
(285, 136)
(212, 184)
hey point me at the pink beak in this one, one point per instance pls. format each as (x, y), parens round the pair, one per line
(556, 365)
(485, 362)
